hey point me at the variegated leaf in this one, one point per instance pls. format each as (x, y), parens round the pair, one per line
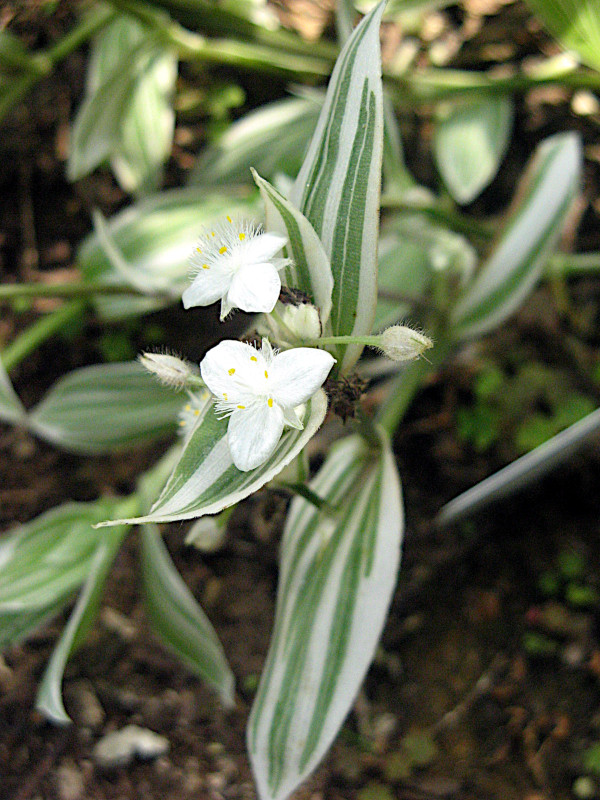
(337, 577)
(43, 563)
(576, 25)
(470, 141)
(517, 261)
(49, 697)
(310, 270)
(339, 185)
(205, 481)
(178, 619)
(100, 408)
(272, 139)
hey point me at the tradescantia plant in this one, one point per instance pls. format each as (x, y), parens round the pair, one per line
(246, 413)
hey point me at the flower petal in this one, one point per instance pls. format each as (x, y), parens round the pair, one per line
(263, 247)
(298, 373)
(292, 419)
(254, 433)
(232, 371)
(255, 287)
(208, 286)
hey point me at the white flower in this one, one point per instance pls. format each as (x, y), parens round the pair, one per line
(259, 390)
(235, 263)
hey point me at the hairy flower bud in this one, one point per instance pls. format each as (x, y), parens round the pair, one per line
(170, 370)
(401, 343)
(302, 320)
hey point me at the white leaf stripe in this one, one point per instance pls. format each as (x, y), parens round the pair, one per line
(339, 184)
(516, 263)
(205, 481)
(337, 577)
(310, 270)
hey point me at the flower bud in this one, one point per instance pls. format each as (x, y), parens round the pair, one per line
(170, 370)
(303, 321)
(401, 343)
(208, 534)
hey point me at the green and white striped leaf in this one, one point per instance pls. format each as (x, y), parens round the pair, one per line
(96, 128)
(43, 563)
(338, 188)
(178, 619)
(155, 238)
(310, 270)
(576, 25)
(205, 481)
(336, 582)
(101, 408)
(272, 139)
(517, 261)
(11, 408)
(49, 700)
(127, 114)
(470, 141)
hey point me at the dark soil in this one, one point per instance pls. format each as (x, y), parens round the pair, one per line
(496, 678)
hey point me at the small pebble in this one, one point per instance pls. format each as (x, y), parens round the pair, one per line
(119, 748)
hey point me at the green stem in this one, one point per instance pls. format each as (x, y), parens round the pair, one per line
(42, 63)
(74, 289)
(407, 384)
(458, 222)
(567, 265)
(36, 334)
(246, 55)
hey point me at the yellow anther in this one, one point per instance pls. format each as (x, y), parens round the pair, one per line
(197, 412)
(266, 374)
(270, 402)
(222, 250)
(231, 371)
(205, 266)
(228, 218)
(198, 250)
(242, 236)
(242, 407)
(188, 407)
(182, 424)
(253, 358)
(212, 233)
(225, 395)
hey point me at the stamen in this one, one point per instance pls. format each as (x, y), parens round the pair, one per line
(212, 233)
(270, 402)
(242, 407)
(205, 266)
(182, 423)
(225, 395)
(222, 250)
(196, 412)
(266, 374)
(242, 236)
(188, 407)
(228, 218)
(253, 358)
(198, 250)
(231, 371)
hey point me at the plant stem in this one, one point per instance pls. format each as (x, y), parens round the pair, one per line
(567, 265)
(79, 289)
(195, 47)
(407, 384)
(41, 64)
(42, 329)
(455, 220)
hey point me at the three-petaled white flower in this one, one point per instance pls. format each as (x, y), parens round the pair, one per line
(235, 263)
(260, 390)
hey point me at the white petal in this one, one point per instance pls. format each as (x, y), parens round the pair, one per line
(263, 247)
(255, 287)
(208, 286)
(253, 434)
(298, 373)
(232, 370)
